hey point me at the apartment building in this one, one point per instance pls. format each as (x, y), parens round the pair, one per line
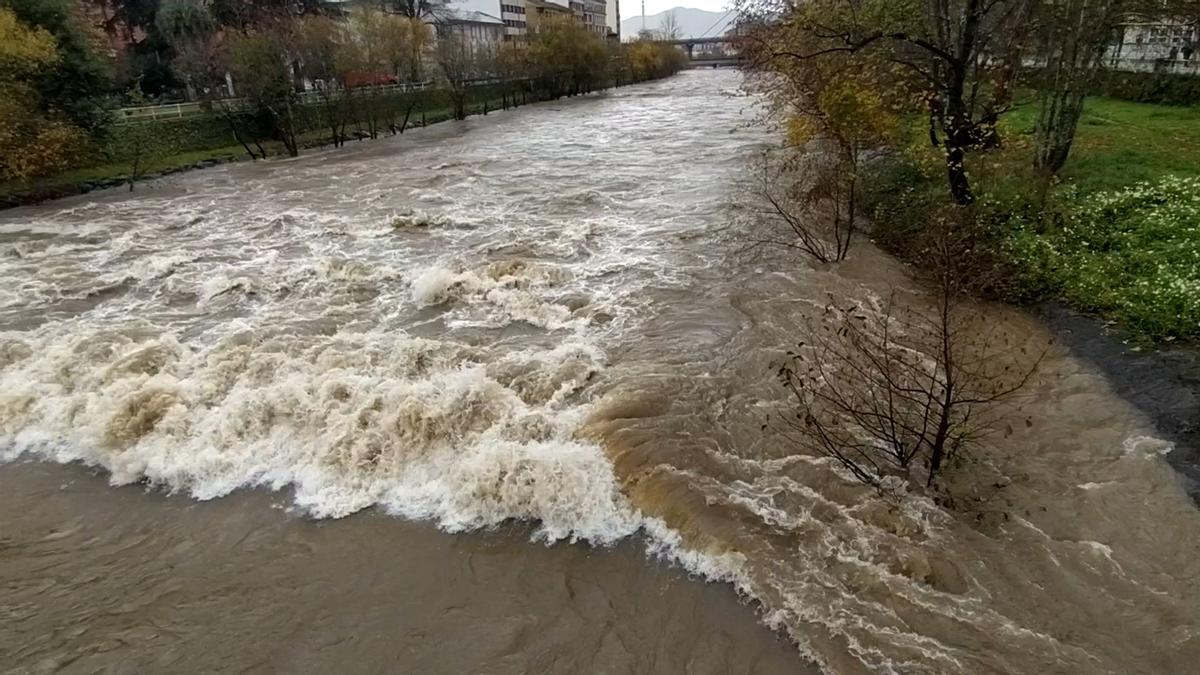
(510, 14)
(595, 16)
(513, 13)
(538, 10)
(592, 14)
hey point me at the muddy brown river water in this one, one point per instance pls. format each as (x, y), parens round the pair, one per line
(489, 397)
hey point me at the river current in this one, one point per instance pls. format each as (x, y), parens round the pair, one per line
(534, 331)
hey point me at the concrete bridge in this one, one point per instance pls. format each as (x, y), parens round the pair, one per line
(726, 62)
(708, 51)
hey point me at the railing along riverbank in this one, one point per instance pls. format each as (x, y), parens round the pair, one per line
(190, 109)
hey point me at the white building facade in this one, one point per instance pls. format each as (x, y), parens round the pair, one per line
(1157, 46)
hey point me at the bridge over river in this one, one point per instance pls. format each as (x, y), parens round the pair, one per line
(718, 51)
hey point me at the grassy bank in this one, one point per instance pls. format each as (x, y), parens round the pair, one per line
(1118, 235)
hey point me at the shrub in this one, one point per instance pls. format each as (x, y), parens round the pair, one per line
(1161, 88)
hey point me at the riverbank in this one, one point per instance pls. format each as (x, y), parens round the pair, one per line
(1162, 382)
(117, 174)
(1112, 269)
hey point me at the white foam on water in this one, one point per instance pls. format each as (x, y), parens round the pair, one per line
(1147, 447)
(425, 428)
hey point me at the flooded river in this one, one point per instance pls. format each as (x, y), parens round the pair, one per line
(501, 388)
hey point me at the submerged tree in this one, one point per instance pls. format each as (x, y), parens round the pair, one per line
(888, 387)
(799, 205)
(833, 113)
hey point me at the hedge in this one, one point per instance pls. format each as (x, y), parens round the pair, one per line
(1160, 88)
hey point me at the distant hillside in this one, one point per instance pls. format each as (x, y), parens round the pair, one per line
(692, 22)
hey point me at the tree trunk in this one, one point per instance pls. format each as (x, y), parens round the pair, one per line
(956, 173)
(285, 125)
(407, 115)
(237, 135)
(1076, 48)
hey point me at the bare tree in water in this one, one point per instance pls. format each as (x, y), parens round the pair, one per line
(893, 388)
(803, 204)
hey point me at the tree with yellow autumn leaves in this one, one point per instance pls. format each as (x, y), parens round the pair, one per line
(35, 139)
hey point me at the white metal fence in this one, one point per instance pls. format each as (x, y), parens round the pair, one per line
(173, 111)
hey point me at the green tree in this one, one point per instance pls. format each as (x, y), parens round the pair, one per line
(201, 61)
(512, 64)
(262, 74)
(144, 142)
(317, 45)
(379, 48)
(244, 15)
(79, 82)
(648, 59)
(566, 58)
(33, 140)
(459, 61)
(1071, 37)
(962, 56)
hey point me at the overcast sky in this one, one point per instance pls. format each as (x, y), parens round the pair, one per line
(630, 8)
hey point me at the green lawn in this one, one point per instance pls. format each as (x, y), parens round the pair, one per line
(70, 182)
(1118, 236)
(1119, 143)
